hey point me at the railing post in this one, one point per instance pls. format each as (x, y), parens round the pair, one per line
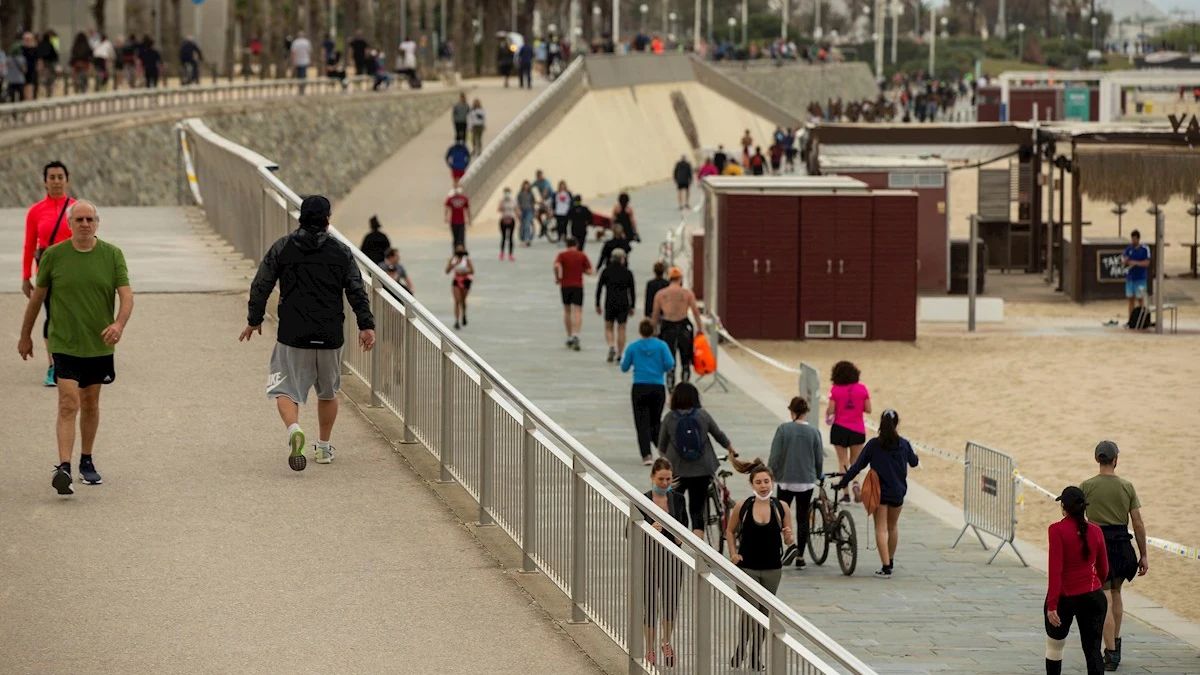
(703, 616)
(446, 434)
(776, 651)
(579, 535)
(636, 575)
(529, 490)
(377, 355)
(486, 454)
(410, 365)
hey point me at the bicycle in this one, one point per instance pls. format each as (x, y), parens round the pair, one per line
(717, 508)
(828, 523)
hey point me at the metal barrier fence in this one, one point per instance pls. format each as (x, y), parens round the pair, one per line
(990, 495)
(80, 106)
(574, 518)
(489, 168)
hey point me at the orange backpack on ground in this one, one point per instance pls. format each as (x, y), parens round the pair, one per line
(703, 360)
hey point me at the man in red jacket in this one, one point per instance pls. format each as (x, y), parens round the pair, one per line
(46, 225)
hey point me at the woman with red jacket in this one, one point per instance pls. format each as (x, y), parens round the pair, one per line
(1078, 563)
(46, 225)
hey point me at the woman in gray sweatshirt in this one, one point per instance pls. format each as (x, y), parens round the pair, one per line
(797, 460)
(694, 460)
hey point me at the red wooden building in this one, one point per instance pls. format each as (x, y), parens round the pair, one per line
(789, 258)
(927, 177)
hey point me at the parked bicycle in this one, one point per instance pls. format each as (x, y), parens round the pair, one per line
(829, 524)
(717, 508)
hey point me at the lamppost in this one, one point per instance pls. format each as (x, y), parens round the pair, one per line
(1095, 22)
(595, 20)
(671, 22)
(945, 21)
(732, 23)
(642, 24)
(1020, 42)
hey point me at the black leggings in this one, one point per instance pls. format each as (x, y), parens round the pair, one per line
(695, 489)
(506, 234)
(1088, 611)
(803, 500)
(648, 401)
(678, 336)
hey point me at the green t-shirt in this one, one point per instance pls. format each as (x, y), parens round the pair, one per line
(1110, 499)
(83, 287)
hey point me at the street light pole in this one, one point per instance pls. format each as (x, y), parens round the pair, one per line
(1020, 42)
(877, 37)
(783, 5)
(732, 23)
(1095, 22)
(932, 39)
(895, 28)
(745, 22)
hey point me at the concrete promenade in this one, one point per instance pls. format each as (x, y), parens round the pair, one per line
(203, 552)
(944, 611)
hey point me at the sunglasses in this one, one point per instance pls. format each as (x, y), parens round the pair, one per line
(83, 219)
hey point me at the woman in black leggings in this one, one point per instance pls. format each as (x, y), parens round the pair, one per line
(797, 459)
(1078, 563)
(684, 439)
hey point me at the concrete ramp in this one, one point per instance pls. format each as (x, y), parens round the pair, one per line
(625, 132)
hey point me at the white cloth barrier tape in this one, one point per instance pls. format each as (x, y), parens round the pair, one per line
(1189, 552)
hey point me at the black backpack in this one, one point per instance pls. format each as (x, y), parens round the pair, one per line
(1139, 319)
(689, 439)
(748, 512)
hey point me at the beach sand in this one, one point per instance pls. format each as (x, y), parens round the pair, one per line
(1047, 401)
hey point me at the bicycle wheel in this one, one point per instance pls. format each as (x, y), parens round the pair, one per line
(818, 540)
(714, 520)
(847, 543)
(552, 233)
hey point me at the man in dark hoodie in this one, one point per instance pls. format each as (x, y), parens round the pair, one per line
(459, 114)
(313, 271)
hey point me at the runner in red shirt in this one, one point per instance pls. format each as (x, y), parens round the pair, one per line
(45, 225)
(569, 268)
(458, 214)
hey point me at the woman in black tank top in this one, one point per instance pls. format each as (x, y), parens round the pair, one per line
(758, 528)
(623, 216)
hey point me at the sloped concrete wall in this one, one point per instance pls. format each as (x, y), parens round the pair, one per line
(794, 87)
(324, 145)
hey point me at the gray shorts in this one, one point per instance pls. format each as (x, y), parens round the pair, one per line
(295, 370)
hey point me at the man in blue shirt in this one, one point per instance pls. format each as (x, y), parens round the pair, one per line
(1137, 262)
(457, 158)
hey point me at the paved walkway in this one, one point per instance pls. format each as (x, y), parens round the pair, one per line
(407, 191)
(202, 552)
(945, 610)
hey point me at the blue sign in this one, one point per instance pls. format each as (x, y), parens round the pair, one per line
(197, 2)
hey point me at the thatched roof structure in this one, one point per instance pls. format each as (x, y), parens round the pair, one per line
(1126, 173)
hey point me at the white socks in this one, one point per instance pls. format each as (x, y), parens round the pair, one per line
(293, 429)
(323, 444)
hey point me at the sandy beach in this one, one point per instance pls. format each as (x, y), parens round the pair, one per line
(1047, 401)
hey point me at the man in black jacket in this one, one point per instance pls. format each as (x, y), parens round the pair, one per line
(683, 182)
(313, 270)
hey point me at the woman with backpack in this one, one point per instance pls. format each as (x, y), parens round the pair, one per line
(1078, 566)
(757, 531)
(797, 460)
(664, 572)
(684, 439)
(849, 400)
(889, 456)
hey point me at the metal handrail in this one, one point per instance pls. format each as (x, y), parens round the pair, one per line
(581, 461)
(28, 114)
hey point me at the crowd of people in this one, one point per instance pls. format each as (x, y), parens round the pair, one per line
(32, 64)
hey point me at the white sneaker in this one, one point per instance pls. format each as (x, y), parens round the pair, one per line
(323, 455)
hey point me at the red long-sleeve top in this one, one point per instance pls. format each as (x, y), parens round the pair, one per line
(1071, 573)
(39, 224)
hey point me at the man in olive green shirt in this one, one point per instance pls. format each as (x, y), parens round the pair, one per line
(1112, 503)
(86, 274)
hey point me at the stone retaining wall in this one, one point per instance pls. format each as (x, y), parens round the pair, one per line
(794, 87)
(326, 147)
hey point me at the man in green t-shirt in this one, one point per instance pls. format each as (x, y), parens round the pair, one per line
(87, 274)
(1112, 503)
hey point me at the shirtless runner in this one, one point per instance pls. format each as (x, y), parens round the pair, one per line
(671, 306)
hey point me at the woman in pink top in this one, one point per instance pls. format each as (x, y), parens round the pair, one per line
(849, 400)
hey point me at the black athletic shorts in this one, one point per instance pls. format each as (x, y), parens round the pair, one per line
(86, 370)
(844, 438)
(572, 296)
(618, 314)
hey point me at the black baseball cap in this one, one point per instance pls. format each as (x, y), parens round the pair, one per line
(1072, 496)
(315, 206)
(1107, 451)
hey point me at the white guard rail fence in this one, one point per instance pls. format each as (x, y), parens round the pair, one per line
(82, 106)
(574, 518)
(990, 493)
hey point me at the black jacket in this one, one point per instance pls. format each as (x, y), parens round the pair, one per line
(619, 282)
(313, 271)
(610, 246)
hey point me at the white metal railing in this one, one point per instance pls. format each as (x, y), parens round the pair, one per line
(573, 517)
(82, 106)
